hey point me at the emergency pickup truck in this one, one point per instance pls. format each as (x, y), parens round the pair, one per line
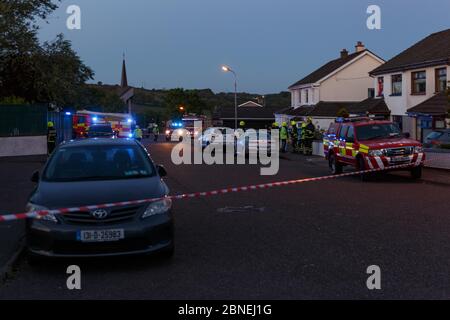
(371, 144)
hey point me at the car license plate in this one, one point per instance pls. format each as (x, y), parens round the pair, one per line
(101, 235)
(400, 159)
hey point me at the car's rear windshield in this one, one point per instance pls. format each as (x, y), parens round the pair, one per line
(100, 130)
(377, 131)
(435, 135)
(90, 163)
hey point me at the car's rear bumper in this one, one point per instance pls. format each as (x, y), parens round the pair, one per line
(60, 240)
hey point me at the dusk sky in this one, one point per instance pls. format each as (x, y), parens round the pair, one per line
(270, 43)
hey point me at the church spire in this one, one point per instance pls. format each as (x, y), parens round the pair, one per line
(124, 81)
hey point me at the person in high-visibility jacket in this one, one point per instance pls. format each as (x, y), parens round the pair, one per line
(293, 136)
(299, 148)
(284, 137)
(273, 127)
(155, 133)
(310, 130)
(51, 137)
(138, 133)
(302, 139)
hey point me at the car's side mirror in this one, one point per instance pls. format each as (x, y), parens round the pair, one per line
(35, 177)
(407, 135)
(161, 171)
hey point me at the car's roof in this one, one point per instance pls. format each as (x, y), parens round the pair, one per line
(218, 128)
(100, 125)
(368, 122)
(99, 142)
(365, 123)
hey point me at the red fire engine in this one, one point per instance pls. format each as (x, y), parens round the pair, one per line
(366, 144)
(121, 123)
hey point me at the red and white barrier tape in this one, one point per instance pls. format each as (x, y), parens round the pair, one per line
(42, 213)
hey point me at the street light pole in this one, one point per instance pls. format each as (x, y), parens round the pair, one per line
(228, 69)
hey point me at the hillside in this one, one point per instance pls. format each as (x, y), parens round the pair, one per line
(154, 98)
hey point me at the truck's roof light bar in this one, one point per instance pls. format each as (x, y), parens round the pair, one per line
(357, 119)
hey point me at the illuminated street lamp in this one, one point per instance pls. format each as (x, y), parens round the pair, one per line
(228, 69)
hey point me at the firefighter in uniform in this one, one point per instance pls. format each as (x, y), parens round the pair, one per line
(138, 133)
(284, 137)
(309, 136)
(275, 126)
(294, 136)
(299, 137)
(51, 137)
(302, 138)
(155, 133)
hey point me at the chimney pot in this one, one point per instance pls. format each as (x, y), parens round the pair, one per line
(359, 46)
(344, 53)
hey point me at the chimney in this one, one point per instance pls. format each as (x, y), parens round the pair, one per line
(344, 53)
(360, 46)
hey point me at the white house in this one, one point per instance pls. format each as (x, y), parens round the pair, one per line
(337, 84)
(409, 80)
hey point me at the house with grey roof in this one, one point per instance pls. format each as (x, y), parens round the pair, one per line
(413, 84)
(338, 84)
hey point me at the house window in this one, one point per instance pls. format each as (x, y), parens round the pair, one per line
(396, 85)
(299, 96)
(380, 81)
(441, 79)
(419, 82)
(371, 93)
(307, 96)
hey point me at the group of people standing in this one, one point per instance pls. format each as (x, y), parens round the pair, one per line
(299, 134)
(138, 133)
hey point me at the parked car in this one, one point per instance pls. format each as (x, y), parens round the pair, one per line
(217, 136)
(248, 144)
(100, 171)
(438, 139)
(100, 131)
(371, 144)
(177, 135)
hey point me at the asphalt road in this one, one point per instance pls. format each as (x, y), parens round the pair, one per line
(307, 241)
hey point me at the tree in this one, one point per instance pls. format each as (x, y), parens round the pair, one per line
(60, 73)
(48, 73)
(179, 101)
(91, 95)
(18, 38)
